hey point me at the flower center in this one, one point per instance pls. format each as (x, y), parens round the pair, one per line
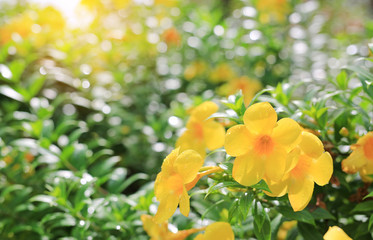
(368, 149)
(198, 130)
(175, 184)
(302, 166)
(263, 145)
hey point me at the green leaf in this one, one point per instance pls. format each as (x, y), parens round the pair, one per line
(321, 213)
(246, 201)
(366, 206)
(211, 207)
(11, 93)
(44, 198)
(223, 185)
(123, 185)
(309, 232)
(370, 222)
(262, 185)
(259, 94)
(301, 216)
(103, 167)
(233, 211)
(262, 223)
(342, 80)
(227, 167)
(368, 196)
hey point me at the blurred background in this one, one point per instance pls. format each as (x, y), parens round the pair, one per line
(94, 93)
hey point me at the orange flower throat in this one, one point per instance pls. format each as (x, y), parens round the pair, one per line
(263, 145)
(368, 149)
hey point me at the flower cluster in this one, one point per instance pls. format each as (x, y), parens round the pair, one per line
(288, 159)
(361, 159)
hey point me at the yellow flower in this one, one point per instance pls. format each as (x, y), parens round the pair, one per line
(310, 164)
(284, 229)
(248, 86)
(217, 231)
(361, 158)
(272, 10)
(178, 169)
(223, 72)
(159, 231)
(202, 132)
(195, 69)
(262, 145)
(335, 233)
(172, 37)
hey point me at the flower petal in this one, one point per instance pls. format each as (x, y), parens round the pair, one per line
(276, 163)
(321, 169)
(365, 171)
(354, 162)
(311, 145)
(300, 192)
(187, 165)
(335, 233)
(167, 207)
(219, 230)
(188, 141)
(278, 189)
(238, 140)
(287, 133)
(169, 161)
(204, 110)
(292, 159)
(184, 203)
(248, 169)
(260, 118)
(214, 134)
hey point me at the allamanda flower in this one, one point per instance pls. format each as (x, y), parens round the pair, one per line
(335, 233)
(159, 231)
(202, 132)
(361, 158)
(217, 231)
(262, 145)
(310, 164)
(249, 88)
(178, 169)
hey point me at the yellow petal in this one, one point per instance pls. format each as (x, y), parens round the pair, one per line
(292, 159)
(248, 169)
(188, 141)
(204, 110)
(214, 134)
(200, 237)
(169, 161)
(260, 118)
(184, 203)
(238, 140)
(154, 230)
(166, 208)
(335, 233)
(159, 185)
(354, 162)
(187, 165)
(365, 171)
(311, 145)
(321, 169)
(219, 230)
(300, 192)
(276, 164)
(278, 189)
(287, 133)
